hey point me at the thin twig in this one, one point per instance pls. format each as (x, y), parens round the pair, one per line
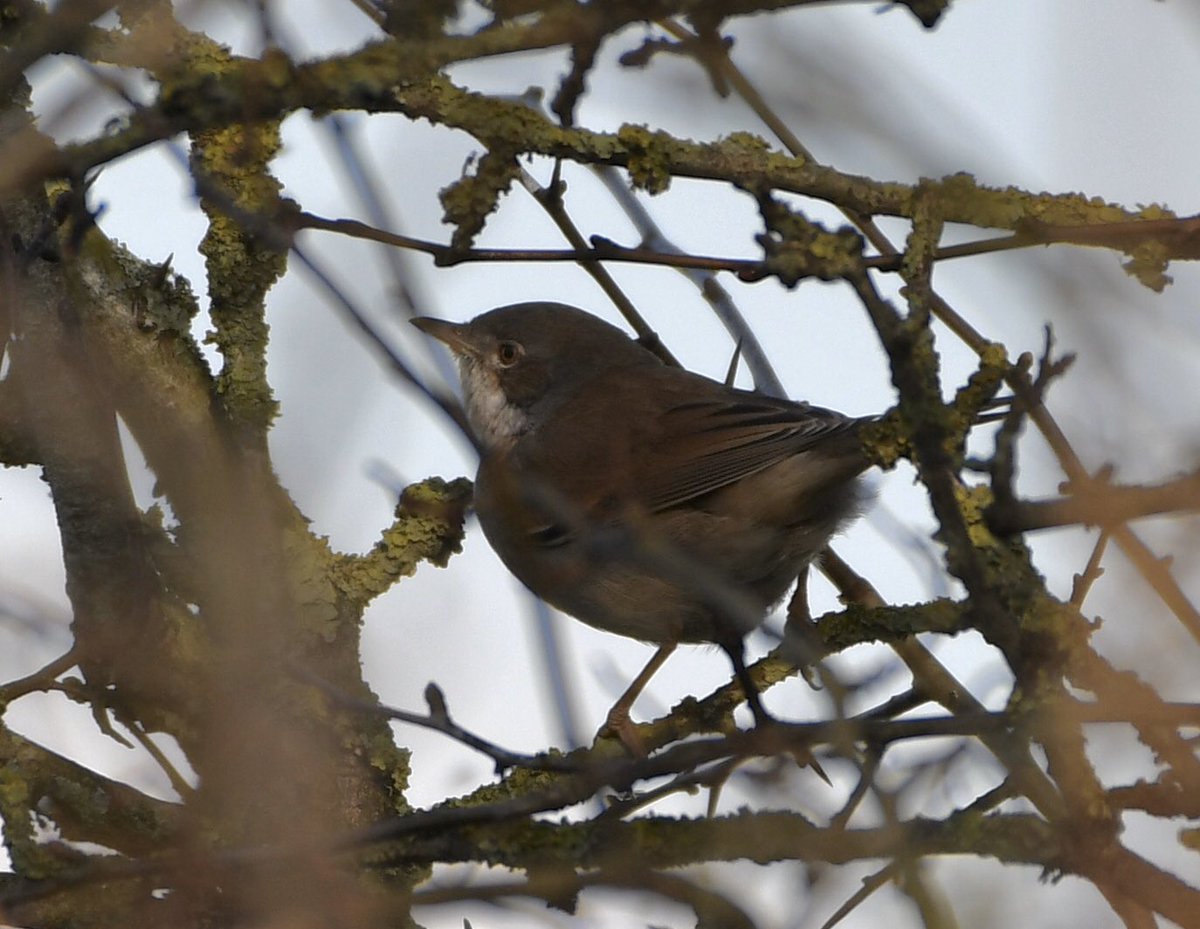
(438, 720)
(44, 678)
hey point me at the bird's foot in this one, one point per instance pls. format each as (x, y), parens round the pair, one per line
(619, 724)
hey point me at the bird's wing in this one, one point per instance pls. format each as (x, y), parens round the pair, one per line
(705, 444)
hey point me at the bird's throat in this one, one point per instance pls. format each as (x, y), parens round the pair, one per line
(495, 420)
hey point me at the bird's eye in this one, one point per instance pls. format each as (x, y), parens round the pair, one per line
(507, 353)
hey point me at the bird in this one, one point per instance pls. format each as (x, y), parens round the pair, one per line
(639, 497)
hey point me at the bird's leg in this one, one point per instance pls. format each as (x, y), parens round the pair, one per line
(735, 648)
(803, 647)
(798, 613)
(618, 722)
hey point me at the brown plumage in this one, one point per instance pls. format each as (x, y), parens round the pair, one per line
(638, 497)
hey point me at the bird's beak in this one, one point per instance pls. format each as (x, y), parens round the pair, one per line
(454, 335)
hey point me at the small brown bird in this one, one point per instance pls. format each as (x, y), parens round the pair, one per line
(639, 497)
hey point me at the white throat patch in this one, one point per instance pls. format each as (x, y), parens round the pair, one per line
(496, 422)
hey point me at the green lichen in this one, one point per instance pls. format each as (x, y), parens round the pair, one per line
(647, 158)
(1006, 564)
(29, 859)
(242, 263)
(745, 143)
(84, 811)
(960, 195)
(796, 247)
(499, 124)
(973, 502)
(975, 396)
(470, 200)
(923, 240)
(309, 563)
(518, 783)
(857, 624)
(886, 441)
(1148, 265)
(1058, 626)
(14, 789)
(395, 763)
(428, 527)
(160, 301)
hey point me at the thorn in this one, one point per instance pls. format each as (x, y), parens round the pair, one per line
(731, 374)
